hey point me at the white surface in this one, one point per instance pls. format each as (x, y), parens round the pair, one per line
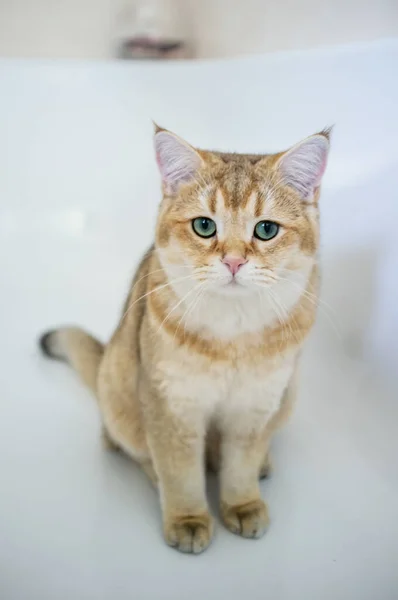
(87, 28)
(78, 197)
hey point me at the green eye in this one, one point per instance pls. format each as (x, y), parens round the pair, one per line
(204, 227)
(266, 230)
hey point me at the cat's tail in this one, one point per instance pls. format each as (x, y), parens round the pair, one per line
(76, 347)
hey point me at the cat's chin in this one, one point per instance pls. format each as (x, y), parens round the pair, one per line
(233, 289)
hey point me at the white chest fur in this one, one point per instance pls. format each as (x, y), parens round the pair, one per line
(221, 392)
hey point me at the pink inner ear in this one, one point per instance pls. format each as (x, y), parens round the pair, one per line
(303, 166)
(322, 170)
(177, 161)
(159, 163)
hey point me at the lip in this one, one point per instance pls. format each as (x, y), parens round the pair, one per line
(233, 283)
(233, 288)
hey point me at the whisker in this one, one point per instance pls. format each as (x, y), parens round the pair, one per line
(185, 315)
(275, 310)
(152, 273)
(156, 289)
(176, 306)
(318, 303)
(320, 300)
(282, 321)
(288, 318)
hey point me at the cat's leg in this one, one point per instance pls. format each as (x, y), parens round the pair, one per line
(107, 441)
(279, 419)
(245, 439)
(123, 426)
(149, 470)
(287, 403)
(266, 466)
(144, 462)
(213, 444)
(176, 441)
(133, 446)
(213, 459)
(242, 449)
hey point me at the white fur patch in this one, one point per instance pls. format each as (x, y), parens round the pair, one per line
(222, 311)
(250, 207)
(204, 198)
(234, 398)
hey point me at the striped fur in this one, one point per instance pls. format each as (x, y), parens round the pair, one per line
(203, 366)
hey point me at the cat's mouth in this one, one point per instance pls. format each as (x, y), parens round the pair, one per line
(234, 286)
(232, 283)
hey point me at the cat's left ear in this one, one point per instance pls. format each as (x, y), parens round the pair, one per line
(178, 162)
(303, 166)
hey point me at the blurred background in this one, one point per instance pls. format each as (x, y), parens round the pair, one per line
(105, 29)
(79, 194)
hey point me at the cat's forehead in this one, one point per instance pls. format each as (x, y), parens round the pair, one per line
(235, 183)
(235, 158)
(240, 187)
(228, 198)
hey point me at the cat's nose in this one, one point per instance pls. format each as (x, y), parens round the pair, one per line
(234, 263)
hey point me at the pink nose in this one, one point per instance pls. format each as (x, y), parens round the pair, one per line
(234, 263)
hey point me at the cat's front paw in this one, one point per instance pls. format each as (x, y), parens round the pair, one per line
(189, 533)
(250, 520)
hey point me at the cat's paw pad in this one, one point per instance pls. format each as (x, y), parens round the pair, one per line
(190, 534)
(249, 520)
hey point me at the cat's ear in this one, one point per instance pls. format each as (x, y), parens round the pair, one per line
(178, 162)
(303, 166)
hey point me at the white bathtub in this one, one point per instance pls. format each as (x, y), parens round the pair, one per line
(78, 198)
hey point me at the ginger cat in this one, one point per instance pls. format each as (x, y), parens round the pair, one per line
(202, 367)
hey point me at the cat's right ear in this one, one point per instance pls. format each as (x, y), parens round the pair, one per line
(178, 162)
(303, 166)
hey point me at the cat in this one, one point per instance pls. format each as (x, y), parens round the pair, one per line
(203, 365)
